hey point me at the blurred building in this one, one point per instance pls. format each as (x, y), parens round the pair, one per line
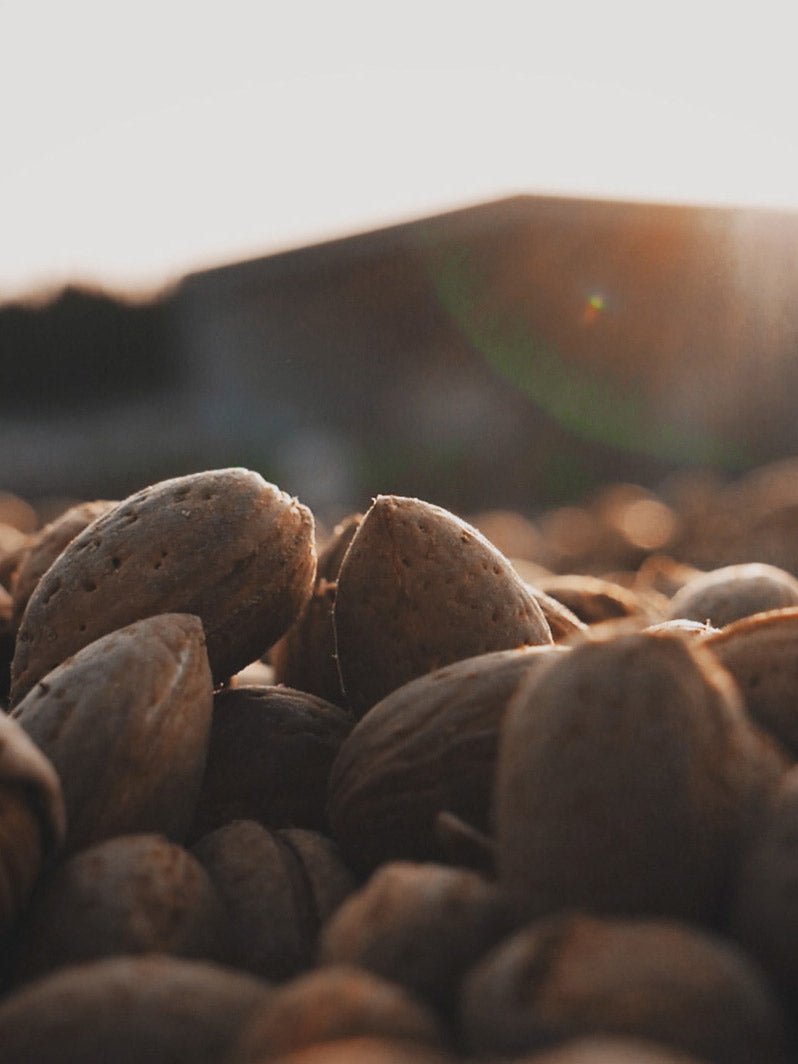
(511, 354)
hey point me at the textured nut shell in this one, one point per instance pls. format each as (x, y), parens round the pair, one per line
(419, 925)
(761, 653)
(125, 723)
(268, 894)
(562, 622)
(223, 545)
(367, 1050)
(32, 819)
(599, 1050)
(124, 1010)
(7, 640)
(419, 588)
(305, 656)
(765, 910)
(593, 599)
(13, 545)
(725, 595)
(269, 758)
(428, 747)
(627, 774)
(22, 763)
(329, 881)
(47, 544)
(21, 853)
(653, 980)
(330, 1004)
(130, 894)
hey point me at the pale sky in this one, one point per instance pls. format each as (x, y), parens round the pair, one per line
(142, 141)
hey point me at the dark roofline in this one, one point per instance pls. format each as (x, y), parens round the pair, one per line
(463, 221)
(366, 243)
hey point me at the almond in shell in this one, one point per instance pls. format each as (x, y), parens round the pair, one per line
(223, 545)
(629, 776)
(427, 747)
(418, 589)
(125, 722)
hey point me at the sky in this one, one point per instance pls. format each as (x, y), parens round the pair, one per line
(142, 141)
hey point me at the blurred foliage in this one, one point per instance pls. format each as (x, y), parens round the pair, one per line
(81, 348)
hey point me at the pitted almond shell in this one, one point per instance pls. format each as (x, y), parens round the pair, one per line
(418, 589)
(761, 653)
(269, 758)
(23, 764)
(329, 1004)
(628, 779)
(128, 1010)
(46, 544)
(278, 889)
(419, 925)
(305, 657)
(223, 545)
(32, 820)
(594, 599)
(662, 981)
(132, 894)
(428, 747)
(734, 591)
(125, 723)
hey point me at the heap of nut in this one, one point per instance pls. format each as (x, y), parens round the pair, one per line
(393, 793)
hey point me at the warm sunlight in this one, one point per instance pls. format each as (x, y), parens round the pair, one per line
(139, 148)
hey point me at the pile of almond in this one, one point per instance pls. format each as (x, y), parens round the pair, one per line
(416, 790)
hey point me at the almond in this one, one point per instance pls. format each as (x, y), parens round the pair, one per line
(269, 758)
(223, 545)
(725, 595)
(419, 925)
(628, 777)
(329, 1004)
(32, 819)
(418, 589)
(125, 722)
(573, 975)
(761, 653)
(278, 888)
(305, 656)
(45, 546)
(428, 747)
(130, 894)
(126, 1010)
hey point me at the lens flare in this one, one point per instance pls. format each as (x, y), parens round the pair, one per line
(589, 401)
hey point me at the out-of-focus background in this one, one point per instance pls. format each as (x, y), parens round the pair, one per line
(495, 259)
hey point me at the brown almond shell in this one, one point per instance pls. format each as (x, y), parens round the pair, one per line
(659, 981)
(305, 657)
(723, 595)
(159, 1009)
(125, 723)
(428, 747)
(761, 653)
(274, 906)
(32, 819)
(223, 545)
(269, 758)
(132, 894)
(46, 545)
(330, 1004)
(418, 589)
(629, 778)
(419, 925)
